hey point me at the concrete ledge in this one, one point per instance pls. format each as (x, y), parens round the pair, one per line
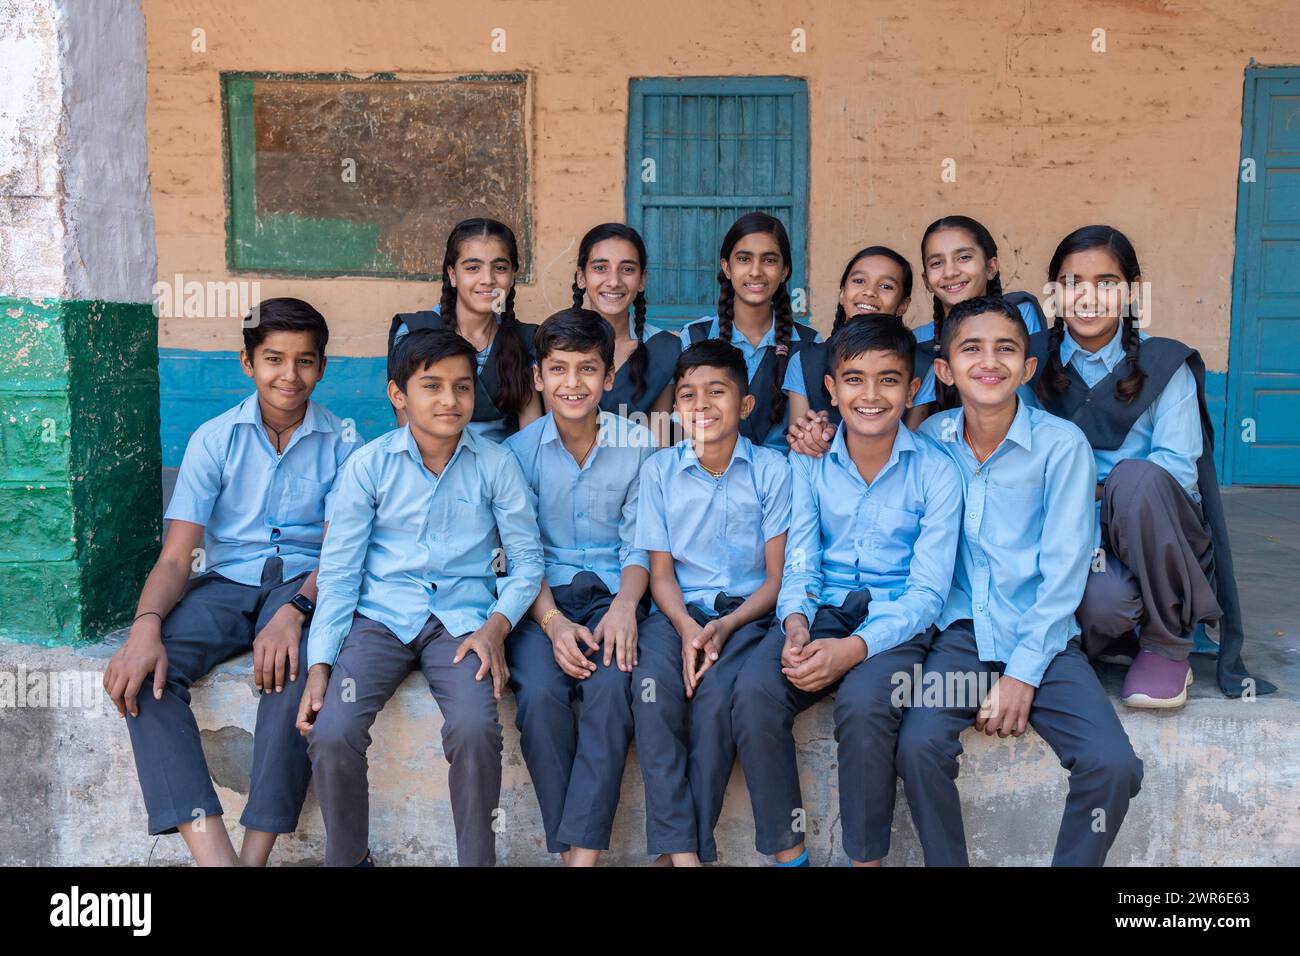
(1221, 783)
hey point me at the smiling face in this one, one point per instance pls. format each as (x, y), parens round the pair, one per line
(1093, 296)
(986, 360)
(439, 398)
(756, 268)
(285, 367)
(874, 285)
(710, 404)
(872, 390)
(613, 277)
(572, 382)
(482, 276)
(956, 269)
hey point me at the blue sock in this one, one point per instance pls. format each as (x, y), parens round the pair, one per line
(800, 860)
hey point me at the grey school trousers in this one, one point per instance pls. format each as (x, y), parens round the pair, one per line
(1158, 571)
(375, 662)
(576, 763)
(686, 747)
(1070, 711)
(763, 710)
(215, 620)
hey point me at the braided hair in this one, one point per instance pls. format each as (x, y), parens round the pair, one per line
(1054, 381)
(906, 267)
(639, 360)
(782, 308)
(509, 358)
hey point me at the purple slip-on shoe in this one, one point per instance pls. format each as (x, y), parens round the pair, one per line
(1155, 682)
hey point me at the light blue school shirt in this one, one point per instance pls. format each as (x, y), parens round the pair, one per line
(1026, 537)
(254, 504)
(1167, 433)
(587, 513)
(926, 393)
(715, 528)
(895, 537)
(775, 438)
(404, 544)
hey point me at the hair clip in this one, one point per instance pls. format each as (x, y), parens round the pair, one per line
(783, 349)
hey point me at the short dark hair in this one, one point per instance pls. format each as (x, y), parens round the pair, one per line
(575, 330)
(284, 314)
(713, 353)
(981, 305)
(874, 333)
(422, 348)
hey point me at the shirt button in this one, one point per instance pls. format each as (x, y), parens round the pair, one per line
(971, 515)
(980, 562)
(979, 607)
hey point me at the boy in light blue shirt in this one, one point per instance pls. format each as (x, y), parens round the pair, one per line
(247, 515)
(868, 564)
(713, 513)
(432, 557)
(582, 467)
(1022, 565)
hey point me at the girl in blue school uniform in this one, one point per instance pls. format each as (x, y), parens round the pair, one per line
(876, 282)
(756, 316)
(611, 278)
(478, 302)
(1165, 564)
(959, 261)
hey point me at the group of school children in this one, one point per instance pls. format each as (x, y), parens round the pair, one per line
(985, 505)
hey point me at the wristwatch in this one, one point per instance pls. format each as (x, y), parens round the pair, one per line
(304, 604)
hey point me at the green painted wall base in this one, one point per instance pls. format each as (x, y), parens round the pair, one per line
(80, 500)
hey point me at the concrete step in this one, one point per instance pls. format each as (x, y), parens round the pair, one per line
(1221, 782)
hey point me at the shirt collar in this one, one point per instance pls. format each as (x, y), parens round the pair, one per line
(401, 440)
(249, 412)
(606, 429)
(738, 338)
(903, 441)
(1021, 431)
(1109, 354)
(686, 453)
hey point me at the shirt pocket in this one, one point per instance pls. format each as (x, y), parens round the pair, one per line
(302, 501)
(606, 506)
(889, 546)
(1013, 517)
(744, 536)
(468, 525)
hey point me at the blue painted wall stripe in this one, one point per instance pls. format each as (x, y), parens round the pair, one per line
(195, 386)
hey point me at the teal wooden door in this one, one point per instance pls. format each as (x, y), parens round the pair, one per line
(1264, 355)
(701, 152)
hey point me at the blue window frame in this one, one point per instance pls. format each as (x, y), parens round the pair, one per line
(701, 152)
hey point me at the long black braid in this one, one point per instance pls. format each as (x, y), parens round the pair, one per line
(783, 318)
(726, 306)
